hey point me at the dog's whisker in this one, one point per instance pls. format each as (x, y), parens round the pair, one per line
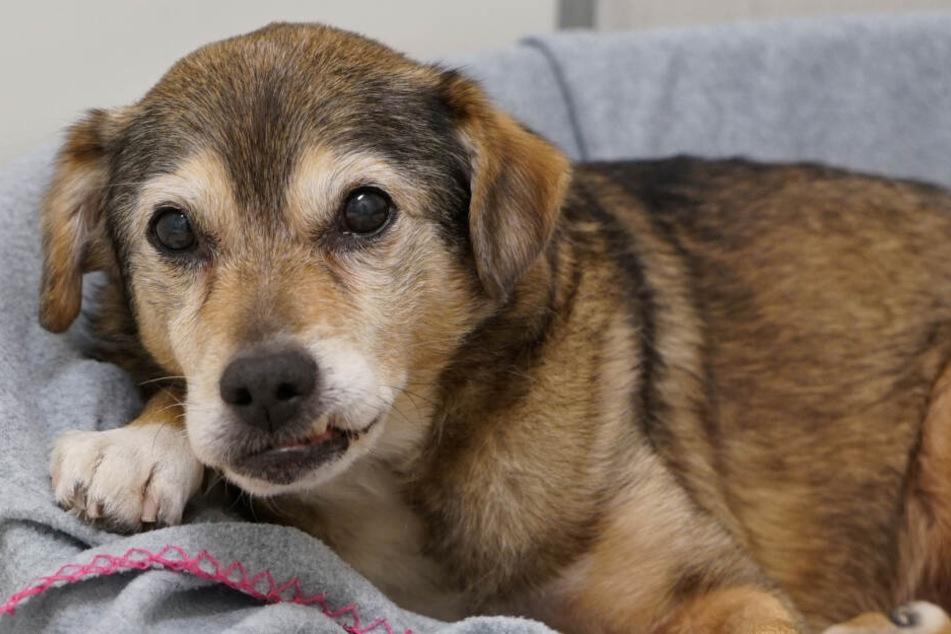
(216, 478)
(162, 378)
(178, 405)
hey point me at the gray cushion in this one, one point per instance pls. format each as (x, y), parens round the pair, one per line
(870, 93)
(522, 81)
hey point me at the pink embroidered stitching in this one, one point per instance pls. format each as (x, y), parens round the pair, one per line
(204, 566)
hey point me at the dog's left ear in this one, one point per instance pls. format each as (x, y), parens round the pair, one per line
(74, 231)
(517, 185)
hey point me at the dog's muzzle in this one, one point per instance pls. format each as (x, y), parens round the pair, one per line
(274, 393)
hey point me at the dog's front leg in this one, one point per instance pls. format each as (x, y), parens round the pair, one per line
(137, 476)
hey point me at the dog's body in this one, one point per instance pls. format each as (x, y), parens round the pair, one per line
(665, 396)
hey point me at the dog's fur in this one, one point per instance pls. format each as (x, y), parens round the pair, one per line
(671, 396)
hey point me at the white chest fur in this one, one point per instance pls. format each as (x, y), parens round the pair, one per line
(363, 518)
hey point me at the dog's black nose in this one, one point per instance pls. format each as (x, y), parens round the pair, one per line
(267, 389)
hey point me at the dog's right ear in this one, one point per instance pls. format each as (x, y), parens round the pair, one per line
(74, 232)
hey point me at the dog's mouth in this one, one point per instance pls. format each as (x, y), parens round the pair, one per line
(288, 461)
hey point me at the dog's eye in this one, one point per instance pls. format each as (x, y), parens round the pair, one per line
(172, 230)
(366, 211)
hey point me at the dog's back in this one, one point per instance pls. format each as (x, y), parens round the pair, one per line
(822, 301)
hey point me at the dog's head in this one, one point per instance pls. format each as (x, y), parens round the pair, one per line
(306, 224)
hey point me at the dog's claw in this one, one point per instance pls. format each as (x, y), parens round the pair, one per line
(95, 510)
(150, 510)
(77, 497)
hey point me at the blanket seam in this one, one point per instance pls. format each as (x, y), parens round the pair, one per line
(204, 566)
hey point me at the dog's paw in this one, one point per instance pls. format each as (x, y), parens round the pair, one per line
(125, 479)
(921, 617)
(918, 617)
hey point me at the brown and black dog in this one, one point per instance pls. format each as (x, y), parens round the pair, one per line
(671, 396)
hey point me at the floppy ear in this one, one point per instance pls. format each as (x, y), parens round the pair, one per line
(517, 186)
(74, 233)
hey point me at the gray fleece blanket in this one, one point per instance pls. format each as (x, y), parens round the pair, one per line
(867, 93)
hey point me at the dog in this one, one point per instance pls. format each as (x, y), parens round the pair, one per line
(662, 396)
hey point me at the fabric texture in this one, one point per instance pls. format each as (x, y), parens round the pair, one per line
(869, 93)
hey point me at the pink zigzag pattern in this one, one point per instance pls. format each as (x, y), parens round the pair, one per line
(261, 586)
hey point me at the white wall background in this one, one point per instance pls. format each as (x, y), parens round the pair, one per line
(627, 14)
(60, 57)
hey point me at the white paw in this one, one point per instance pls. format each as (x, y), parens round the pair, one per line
(125, 478)
(921, 617)
(918, 617)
